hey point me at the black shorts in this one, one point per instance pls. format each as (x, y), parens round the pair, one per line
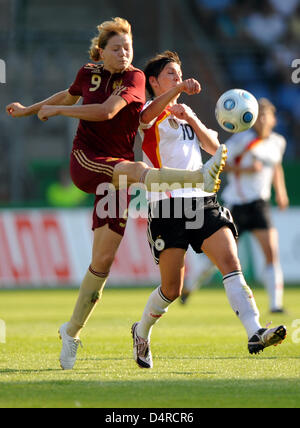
(255, 215)
(172, 227)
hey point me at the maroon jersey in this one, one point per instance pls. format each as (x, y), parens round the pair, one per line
(114, 137)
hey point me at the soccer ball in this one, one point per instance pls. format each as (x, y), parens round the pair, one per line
(236, 110)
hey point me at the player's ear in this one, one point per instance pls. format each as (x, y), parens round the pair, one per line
(153, 81)
(100, 50)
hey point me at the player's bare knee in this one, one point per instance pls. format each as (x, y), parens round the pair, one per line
(230, 264)
(140, 168)
(102, 262)
(271, 256)
(172, 293)
(133, 171)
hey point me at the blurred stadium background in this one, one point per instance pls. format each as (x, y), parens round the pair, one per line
(223, 43)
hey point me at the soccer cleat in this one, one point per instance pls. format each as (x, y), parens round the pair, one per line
(266, 337)
(141, 350)
(69, 348)
(212, 169)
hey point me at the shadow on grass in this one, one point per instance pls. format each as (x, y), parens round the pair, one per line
(12, 371)
(28, 371)
(200, 358)
(154, 393)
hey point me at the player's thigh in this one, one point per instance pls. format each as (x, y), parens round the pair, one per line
(171, 264)
(268, 241)
(105, 245)
(221, 248)
(91, 173)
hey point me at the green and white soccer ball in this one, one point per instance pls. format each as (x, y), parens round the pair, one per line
(236, 110)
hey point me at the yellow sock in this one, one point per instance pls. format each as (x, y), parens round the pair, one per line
(172, 177)
(90, 293)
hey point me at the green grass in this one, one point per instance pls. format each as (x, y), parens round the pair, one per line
(200, 354)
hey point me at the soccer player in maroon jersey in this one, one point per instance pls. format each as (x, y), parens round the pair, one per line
(113, 95)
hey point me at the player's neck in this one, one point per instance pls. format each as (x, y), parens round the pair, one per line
(264, 134)
(113, 70)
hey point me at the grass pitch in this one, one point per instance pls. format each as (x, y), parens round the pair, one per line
(199, 350)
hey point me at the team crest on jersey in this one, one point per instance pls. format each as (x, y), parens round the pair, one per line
(117, 84)
(173, 123)
(118, 87)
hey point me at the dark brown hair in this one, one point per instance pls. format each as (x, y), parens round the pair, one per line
(156, 64)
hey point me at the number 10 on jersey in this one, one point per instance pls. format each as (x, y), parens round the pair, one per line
(188, 132)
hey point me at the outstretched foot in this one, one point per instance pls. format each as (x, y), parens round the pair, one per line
(213, 168)
(266, 337)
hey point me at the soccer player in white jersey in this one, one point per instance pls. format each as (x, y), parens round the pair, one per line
(255, 164)
(173, 136)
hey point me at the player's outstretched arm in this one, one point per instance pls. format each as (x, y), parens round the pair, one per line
(279, 185)
(255, 167)
(88, 112)
(160, 103)
(16, 109)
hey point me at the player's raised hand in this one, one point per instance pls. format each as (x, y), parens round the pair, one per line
(191, 86)
(16, 110)
(181, 111)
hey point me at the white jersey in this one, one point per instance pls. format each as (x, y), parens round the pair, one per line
(243, 149)
(171, 142)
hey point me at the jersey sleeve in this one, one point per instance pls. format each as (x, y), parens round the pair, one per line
(133, 87)
(234, 149)
(76, 87)
(236, 145)
(150, 124)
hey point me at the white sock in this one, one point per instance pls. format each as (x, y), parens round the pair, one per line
(273, 280)
(156, 306)
(242, 301)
